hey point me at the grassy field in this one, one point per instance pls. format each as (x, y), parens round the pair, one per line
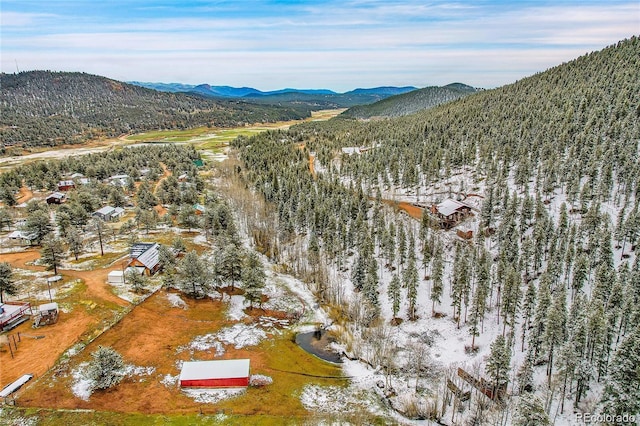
(215, 139)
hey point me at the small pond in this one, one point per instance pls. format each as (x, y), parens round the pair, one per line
(315, 342)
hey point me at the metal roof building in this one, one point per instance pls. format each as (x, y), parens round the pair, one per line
(232, 373)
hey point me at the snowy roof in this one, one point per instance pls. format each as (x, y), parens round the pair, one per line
(115, 274)
(22, 235)
(118, 210)
(12, 387)
(146, 253)
(105, 210)
(56, 195)
(48, 307)
(448, 207)
(66, 183)
(119, 177)
(77, 175)
(220, 369)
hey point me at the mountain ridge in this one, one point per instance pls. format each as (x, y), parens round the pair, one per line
(44, 108)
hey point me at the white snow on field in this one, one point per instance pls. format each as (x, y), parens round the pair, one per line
(235, 311)
(138, 370)
(81, 386)
(241, 335)
(169, 381)
(205, 343)
(176, 301)
(260, 380)
(335, 399)
(211, 396)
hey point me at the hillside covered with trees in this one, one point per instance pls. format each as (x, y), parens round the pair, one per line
(43, 108)
(411, 102)
(548, 290)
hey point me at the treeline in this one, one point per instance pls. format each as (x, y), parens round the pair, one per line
(51, 108)
(547, 271)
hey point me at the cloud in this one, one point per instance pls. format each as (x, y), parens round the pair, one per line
(332, 44)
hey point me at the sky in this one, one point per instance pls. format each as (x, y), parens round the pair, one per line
(338, 45)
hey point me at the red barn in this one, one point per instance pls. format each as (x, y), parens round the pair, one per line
(231, 373)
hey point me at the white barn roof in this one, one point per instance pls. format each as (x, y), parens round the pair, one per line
(221, 369)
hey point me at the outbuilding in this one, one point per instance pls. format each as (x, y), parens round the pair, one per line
(231, 373)
(115, 277)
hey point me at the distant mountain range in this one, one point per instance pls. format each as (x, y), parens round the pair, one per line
(313, 98)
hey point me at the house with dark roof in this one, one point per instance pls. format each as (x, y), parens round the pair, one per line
(145, 258)
(56, 198)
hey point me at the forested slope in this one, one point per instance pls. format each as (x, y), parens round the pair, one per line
(553, 267)
(50, 108)
(411, 102)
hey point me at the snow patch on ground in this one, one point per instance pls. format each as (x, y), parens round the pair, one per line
(260, 380)
(236, 308)
(138, 370)
(334, 399)
(205, 343)
(81, 386)
(241, 335)
(176, 301)
(169, 381)
(212, 396)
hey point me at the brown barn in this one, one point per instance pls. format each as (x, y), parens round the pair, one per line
(65, 185)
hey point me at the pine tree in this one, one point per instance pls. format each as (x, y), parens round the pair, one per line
(499, 364)
(136, 280)
(622, 390)
(52, 253)
(530, 411)
(410, 282)
(555, 327)
(527, 310)
(194, 275)
(393, 291)
(7, 283)
(106, 368)
(437, 274)
(253, 278)
(75, 241)
(511, 298)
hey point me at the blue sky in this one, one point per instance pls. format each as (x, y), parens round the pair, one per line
(340, 45)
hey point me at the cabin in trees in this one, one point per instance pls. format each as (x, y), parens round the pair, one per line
(56, 198)
(199, 209)
(119, 180)
(145, 258)
(231, 373)
(108, 213)
(65, 185)
(25, 238)
(450, 212)
(80, 179)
